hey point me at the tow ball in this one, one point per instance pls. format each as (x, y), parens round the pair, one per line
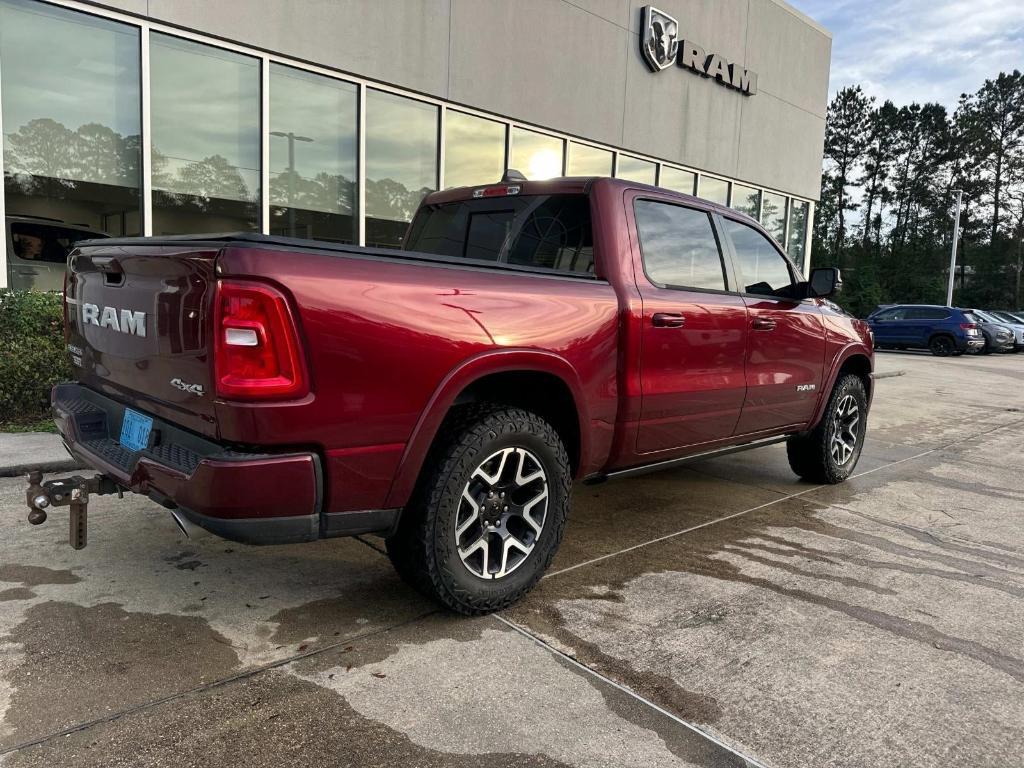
(70, 492)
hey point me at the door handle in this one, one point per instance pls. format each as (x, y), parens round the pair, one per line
(667, 320)
(763, 324)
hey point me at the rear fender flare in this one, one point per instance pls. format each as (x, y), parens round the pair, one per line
(465, 374)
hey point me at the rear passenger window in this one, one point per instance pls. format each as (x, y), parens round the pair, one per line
(763, 270)
(678, 246)
(890, 314)
(925, 313)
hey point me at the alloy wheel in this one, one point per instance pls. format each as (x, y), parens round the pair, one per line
(501, 513)
(845, 430)
(942, 346)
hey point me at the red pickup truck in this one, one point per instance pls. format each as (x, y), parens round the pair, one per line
(446, 395)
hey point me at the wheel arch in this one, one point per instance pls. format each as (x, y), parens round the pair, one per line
(540, 381)
(856, 359)
(947, 334)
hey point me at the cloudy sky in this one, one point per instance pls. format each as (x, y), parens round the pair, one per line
(920, 50)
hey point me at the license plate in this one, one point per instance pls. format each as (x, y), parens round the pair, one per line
(135, 430)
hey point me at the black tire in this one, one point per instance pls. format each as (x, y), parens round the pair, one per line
(942, 345)
(812, 455)
(424, 549)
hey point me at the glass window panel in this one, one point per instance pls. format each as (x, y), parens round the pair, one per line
(798, 211)
(474, 150)
(746, 200)
(678, 246)
(401, 163)
(773, 215)
(635, 169)
(585, 160)
(677, 179)
(763, 270)
(536, 155)
(313, 155)
(205, 106)
(715, 190)
(539, 231)
(71, 116)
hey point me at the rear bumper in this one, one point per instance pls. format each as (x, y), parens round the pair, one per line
(254, 498)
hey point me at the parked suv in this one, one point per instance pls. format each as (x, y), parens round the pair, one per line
(37, 251)
(944, 330)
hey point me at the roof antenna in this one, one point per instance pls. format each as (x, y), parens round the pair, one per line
(511, 174)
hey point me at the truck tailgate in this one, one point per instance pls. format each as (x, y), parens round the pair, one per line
(138, 320)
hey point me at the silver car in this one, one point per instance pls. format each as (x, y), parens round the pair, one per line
(37, 251)
(1000, 336)
(1007, 316)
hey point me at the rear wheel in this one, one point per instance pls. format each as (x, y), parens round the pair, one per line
(830, 451)
(942, 346)
(488, 514)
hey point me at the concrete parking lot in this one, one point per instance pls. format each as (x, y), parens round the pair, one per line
(723, 614)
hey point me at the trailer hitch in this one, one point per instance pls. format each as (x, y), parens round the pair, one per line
(70, 492)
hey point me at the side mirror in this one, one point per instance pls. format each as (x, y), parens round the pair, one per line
(824, 282)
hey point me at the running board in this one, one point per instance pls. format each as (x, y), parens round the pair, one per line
(643, 469)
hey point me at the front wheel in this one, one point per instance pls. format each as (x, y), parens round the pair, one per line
(488, 513)
(829, 452)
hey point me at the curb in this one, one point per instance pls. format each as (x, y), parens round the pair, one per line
(889, 374)
(61, 465)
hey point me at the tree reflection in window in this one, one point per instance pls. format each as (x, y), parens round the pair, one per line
(206, 137)
(71, 96)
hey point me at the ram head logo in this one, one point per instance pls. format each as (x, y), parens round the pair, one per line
(659, 41)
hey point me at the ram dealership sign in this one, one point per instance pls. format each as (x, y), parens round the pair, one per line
(661, 48)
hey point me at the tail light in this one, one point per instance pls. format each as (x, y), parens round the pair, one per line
(257, 354)
(64, 309)
(969, 326)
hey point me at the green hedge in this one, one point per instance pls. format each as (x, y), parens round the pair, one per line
(33, 356)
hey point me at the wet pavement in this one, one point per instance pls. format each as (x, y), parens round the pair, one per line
(724, 614)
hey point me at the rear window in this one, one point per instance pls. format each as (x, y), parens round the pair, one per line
(539, 231)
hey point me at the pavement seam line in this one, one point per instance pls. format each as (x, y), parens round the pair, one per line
(245, 674)
(628, 691)
(779, 500)
(370, 544)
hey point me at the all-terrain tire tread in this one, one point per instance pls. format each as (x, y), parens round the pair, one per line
(809, 454)
(411, 548)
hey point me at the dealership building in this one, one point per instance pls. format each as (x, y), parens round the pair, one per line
(331, 120)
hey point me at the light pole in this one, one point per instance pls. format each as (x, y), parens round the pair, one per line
(956, 238)
(292, 138)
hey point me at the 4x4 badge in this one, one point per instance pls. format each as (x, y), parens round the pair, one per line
(192, 389)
